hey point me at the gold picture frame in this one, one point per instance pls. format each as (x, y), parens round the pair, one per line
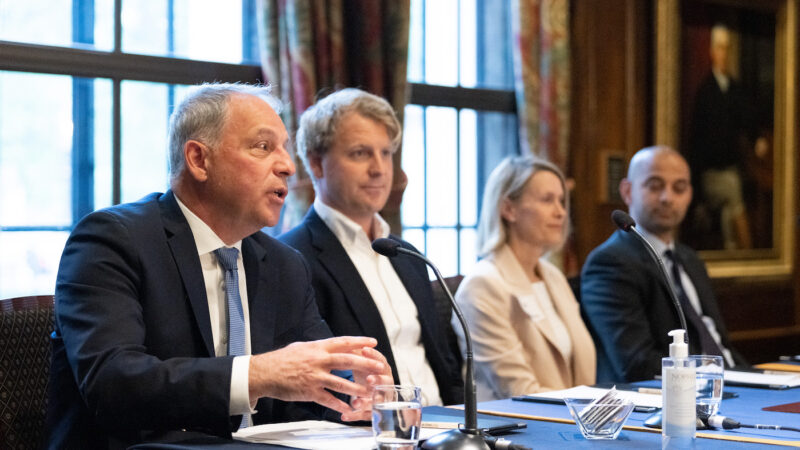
(673, 60)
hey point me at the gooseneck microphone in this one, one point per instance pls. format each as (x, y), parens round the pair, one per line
(627, 224)
(468, 437)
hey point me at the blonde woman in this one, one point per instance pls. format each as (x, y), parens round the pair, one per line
(527, 331)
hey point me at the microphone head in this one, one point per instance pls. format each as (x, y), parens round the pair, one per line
(385, 246)
(623, 220)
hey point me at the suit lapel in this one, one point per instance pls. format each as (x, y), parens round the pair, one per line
(260, 279)
(522, 289)
(334, 259)
(184, 252)
(638, 250)
(646, 261)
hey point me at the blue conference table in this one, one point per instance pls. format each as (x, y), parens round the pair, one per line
(746, 408)
(550, 425)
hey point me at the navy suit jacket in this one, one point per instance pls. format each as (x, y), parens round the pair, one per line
(133, 351)
(629, 312)
(347, 306)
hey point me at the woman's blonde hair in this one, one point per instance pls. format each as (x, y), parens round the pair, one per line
(507, 182)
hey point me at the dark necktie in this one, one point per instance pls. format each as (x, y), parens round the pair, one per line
(707, 343)
(236, 339)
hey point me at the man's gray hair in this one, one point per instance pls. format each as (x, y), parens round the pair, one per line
(507, 182)
(202, 115)
(318, 123)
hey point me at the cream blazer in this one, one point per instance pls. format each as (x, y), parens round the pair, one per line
(512, 342)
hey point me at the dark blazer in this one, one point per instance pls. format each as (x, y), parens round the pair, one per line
(628, 309)
(721, 123)
(132, 349)
(347, 306)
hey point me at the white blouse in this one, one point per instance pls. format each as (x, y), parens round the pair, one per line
(562, 341)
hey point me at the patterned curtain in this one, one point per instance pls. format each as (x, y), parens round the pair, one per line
(542, 87)
(312, 47)
(541, 77)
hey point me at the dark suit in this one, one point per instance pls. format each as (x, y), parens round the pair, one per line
(347, 306)
(722, 131)
(133, 328)
(628, 308)
(721, 123)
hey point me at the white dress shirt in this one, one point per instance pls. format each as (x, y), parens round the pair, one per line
(214, 277)
(722, 80)
(661, 247)
(397, 309)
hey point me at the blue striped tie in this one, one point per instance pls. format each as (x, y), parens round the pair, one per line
(236, 339)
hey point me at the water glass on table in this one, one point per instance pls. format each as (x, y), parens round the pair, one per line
(396, 416)
(709, 382)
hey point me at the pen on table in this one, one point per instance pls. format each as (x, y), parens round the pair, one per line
(646, 390)
(440, 425)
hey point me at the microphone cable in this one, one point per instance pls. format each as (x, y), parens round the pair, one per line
(726, 423)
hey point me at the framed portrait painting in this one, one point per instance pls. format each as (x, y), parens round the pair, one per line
(725, 97)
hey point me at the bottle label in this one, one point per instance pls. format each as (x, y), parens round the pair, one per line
(678, 397)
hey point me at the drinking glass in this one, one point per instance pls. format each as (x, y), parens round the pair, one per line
(396, 416)
(709, 383)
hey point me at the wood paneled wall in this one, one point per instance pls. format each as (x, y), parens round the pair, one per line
(613, 112)
(611, 106)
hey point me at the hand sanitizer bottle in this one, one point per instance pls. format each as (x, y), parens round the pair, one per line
(678, 395)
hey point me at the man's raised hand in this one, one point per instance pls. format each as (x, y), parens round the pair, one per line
(301, 372)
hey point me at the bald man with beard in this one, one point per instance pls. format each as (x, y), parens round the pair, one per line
(625, 304)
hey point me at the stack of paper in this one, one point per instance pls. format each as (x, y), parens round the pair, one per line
(779, 367)
(768, 380)
(316, 434)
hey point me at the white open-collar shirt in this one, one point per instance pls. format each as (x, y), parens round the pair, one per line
(397, 309)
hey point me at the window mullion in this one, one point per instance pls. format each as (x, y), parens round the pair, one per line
(82, 118)
(458, 191)
(116, 142)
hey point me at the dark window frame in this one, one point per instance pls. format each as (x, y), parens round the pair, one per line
(495, 69)
(86, 64)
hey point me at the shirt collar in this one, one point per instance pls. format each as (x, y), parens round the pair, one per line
(204, 237)
(723, 81)
(659, 245)
(344, 228)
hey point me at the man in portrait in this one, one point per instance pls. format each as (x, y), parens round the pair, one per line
(720, 136)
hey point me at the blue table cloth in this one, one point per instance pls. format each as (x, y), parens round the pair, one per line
(746, 408)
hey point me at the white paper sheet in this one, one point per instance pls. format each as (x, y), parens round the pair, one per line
(771, 380)
(317, 435)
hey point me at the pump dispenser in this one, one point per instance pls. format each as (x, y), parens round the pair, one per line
(678, 394)
(678, 348)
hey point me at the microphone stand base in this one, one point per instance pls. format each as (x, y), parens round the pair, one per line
(456, 440)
